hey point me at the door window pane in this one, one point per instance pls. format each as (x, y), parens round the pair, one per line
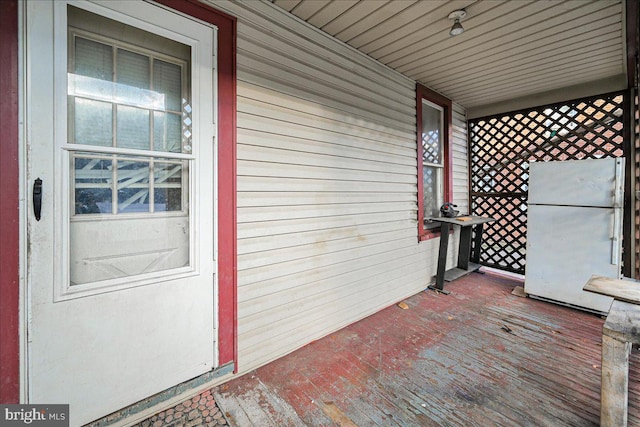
(431, 134)
(167, 132)
(132, 128)
(93, 185)
(132, 69)
(432, 190)
(93, 122)
(167, 80)
(167, 186)
(133, 186)
(93, 59)
(133, 81)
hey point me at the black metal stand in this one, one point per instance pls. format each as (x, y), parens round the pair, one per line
(467, 262)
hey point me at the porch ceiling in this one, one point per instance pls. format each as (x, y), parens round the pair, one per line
(509, 49)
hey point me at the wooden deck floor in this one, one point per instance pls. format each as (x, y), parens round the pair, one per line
(477, 357)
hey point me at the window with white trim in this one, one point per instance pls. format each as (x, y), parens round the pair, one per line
(434, 116)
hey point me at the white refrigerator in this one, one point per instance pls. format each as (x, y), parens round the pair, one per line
(574, 229)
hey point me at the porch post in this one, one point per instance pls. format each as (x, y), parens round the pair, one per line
(615, 382)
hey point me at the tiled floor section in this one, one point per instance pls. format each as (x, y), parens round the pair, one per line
(198, 411)
(478, 357)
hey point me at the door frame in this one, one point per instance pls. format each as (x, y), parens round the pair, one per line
(13, 205)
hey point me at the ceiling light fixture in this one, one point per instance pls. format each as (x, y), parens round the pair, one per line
(457, 16)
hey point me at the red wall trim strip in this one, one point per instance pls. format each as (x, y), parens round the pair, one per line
(9, 204)
(227, 220)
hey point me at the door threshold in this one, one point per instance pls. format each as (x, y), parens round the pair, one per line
(163, 400)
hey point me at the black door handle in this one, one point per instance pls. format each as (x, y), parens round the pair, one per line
(37, 198)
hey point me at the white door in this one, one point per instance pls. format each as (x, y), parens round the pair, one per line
(121, 264)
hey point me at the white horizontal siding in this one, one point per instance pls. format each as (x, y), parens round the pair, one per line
(327, 185)
(311, 266)
(460, 159)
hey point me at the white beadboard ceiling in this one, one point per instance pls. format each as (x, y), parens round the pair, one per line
(510, 49)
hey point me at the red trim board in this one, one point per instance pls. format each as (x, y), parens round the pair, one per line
(9, 205)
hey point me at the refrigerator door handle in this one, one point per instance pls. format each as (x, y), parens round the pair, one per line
(618, 204)
(615, 239)
(618, 190)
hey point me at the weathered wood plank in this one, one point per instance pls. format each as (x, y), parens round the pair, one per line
(406, 367)
(233, 411)
(623, 322)
(620, 289)
(615, 382)
(337, 415)
(259, 407)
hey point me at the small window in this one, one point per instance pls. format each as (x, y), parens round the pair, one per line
(434, 158)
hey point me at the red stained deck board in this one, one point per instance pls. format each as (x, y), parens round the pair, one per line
(445, 361)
